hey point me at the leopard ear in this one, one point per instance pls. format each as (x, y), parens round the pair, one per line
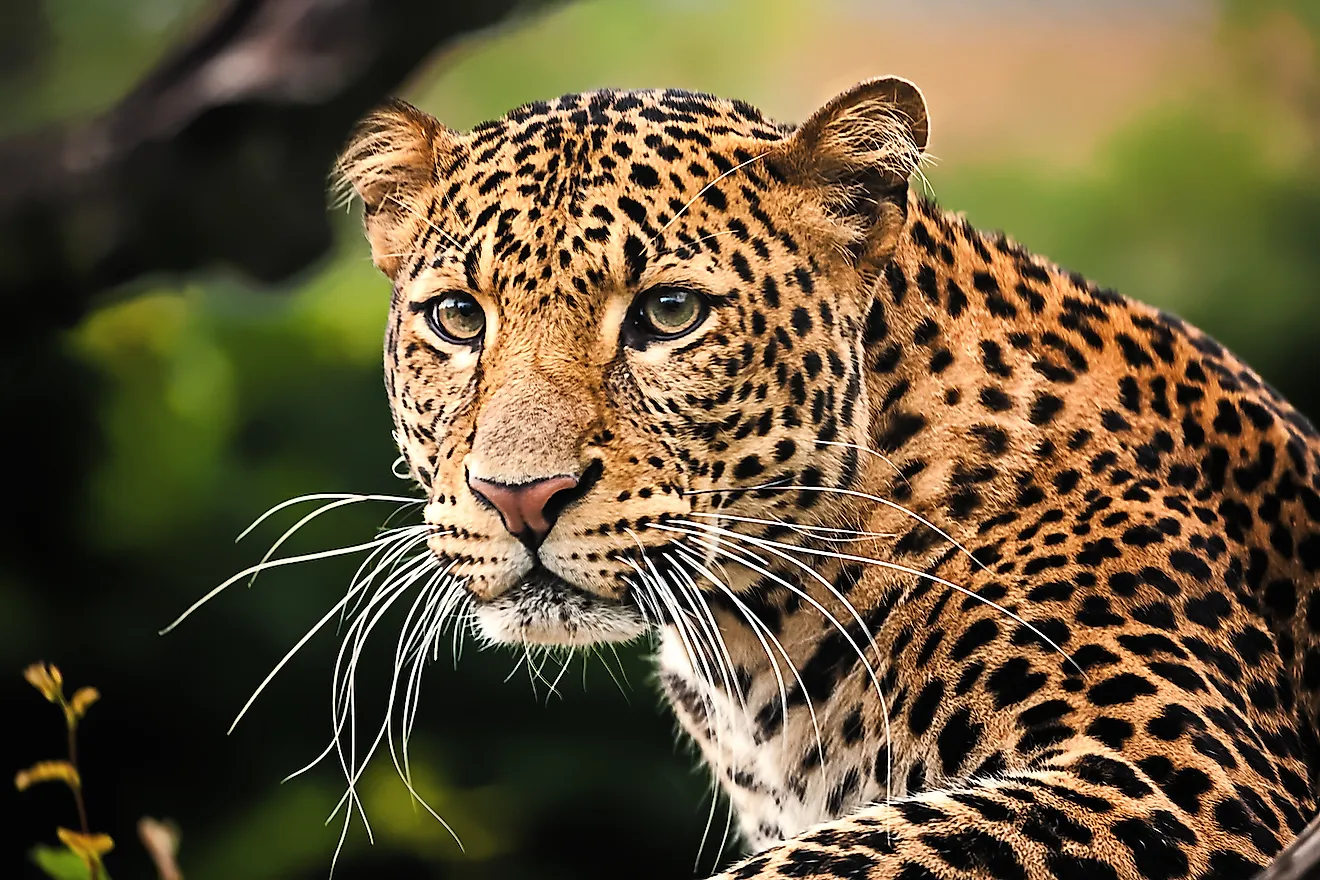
(859, 151)
(391, 163)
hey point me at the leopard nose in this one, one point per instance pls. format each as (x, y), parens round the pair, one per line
(529, 510)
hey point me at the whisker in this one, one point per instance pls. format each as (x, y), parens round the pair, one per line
(727, 837)
(710, 821)
(775, 485)
(396, 584)
(270, 676)
(296, 527)
(893, 566)
(713, 643)
(427, 220)
(708, 623)
(665, 597)
(869, 451)
(407, 636)
(692, 242)
(884, 705)
(621, 681)
(701, 192)
(325, 496)
(758, 627)
(806, 530)
(384, 560)
(361, 629)
(275, 563)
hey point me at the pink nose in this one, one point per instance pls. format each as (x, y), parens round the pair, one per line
(526, 508)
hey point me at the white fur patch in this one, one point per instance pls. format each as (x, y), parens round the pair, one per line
(542, 613)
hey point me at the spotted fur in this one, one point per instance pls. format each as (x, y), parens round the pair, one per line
(962, 566)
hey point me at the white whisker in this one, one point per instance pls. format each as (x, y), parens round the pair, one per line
(765, 571)
(869, 451)
(777, 486)
(325, 496)
(275, 563)
(820, 533)
(701, 192)
(893, 566)
(759, 627)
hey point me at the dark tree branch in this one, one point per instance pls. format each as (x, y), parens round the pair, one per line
(218, 157)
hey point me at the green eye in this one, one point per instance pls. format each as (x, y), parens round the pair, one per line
(669, 312)
(457, 317)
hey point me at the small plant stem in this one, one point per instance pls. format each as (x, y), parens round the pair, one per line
(94, 868)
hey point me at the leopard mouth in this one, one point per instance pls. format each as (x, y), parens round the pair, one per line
(545, 609)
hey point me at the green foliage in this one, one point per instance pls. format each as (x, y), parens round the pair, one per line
(59, 863)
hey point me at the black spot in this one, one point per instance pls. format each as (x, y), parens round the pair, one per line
(1014, 682)
(976, 636)
(852, 727)
(644, 175)
(634, 255)
(1051, 827)
(1114, 774)
(977, 852)
(1120, 689)
(633, 209)
(902, 427)
(1184, 787)
(1156, 854)
(1225, 865)
(748, 467)
(957, 739)
(1113, 732)
(1044, 408)
(923, 708)
(1191, 564)
(995, 400)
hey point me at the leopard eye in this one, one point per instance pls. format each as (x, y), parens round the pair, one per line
(669, 312)
(456, 317)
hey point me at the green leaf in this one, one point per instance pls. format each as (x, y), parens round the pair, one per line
(59, 863)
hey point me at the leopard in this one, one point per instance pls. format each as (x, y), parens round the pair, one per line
(955, 563)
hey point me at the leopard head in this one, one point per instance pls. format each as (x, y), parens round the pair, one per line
(623, 318)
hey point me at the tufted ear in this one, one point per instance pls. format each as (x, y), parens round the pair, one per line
(859, 151)
(391, 163)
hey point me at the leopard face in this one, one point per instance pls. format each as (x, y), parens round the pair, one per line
(618, 312)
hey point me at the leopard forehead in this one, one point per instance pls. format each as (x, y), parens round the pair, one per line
(558, 203)
(552, 178)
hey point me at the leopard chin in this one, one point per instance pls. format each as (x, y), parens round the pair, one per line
(545, 609)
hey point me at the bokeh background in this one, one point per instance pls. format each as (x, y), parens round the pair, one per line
(1168, 148)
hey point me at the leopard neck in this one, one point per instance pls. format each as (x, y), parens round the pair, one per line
(962, 426)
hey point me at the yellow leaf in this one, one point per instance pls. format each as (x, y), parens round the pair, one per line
(88, 847)
(82, 700)
(47, 771)
(46, 678)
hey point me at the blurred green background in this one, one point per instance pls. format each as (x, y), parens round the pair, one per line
(1168, 149)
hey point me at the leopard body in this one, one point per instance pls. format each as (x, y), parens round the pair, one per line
(961, 565)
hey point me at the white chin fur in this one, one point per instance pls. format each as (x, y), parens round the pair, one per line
(544, 614)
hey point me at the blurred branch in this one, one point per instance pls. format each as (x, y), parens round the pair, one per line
(218, 157)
